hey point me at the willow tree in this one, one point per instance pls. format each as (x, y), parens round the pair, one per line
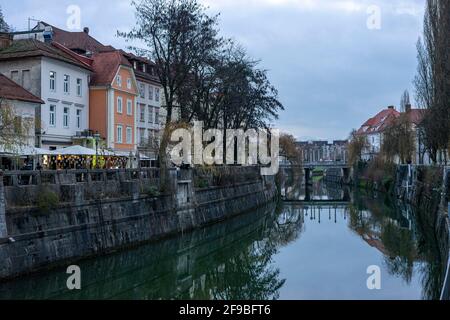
(356, 145)
(14, 130)
(398, 140)
(176, 34)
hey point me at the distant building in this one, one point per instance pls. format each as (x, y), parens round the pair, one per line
(375, 127)
(323, 151)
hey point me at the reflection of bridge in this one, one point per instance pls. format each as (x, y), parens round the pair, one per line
(322, 164)
(319, 203)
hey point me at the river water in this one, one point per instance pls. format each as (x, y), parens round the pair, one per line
(320, 249)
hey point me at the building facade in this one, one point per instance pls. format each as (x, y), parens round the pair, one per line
(59, 79)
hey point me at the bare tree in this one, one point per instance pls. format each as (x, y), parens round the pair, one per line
(432, 82)
(290, 149)
(4, 27)
(404, 101)
(398, 141)
(176, 34)
(356, 145)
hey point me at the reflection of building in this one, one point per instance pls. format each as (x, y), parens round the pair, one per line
(323, 151)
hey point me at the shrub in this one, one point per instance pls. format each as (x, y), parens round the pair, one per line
(47, 200)
(151, 191)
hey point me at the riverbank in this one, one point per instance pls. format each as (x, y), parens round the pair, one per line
(427, 188)
(58, 218)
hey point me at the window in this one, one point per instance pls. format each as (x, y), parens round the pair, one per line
(150, 92)
(52, 119)
(66, 117)
(129, 107)
(142, 136)
(26, 79)
(66, 84)
(142, 90)
(79, 87)
(15, 77)
(119, 80)
(79, 112)
(144, 67)
(128, 83)
(52, 81)
(157, 94)
(157, 116)
(150, 114)
(129, 135)
(119, 134)
(142, 112)
(119, 105)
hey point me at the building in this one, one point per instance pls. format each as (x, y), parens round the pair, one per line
(375, 127)
(323, 151)
(60, 78)
(23, 103)
(113, 93)
(373, 130)
(148, 107)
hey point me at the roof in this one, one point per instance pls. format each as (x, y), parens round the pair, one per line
(81, 41)
(29, 48)
(380, 122)
(12, 91)
(141, 75)
(105, 66)
(416, 115)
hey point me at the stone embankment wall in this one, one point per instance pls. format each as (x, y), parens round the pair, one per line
(56, 218)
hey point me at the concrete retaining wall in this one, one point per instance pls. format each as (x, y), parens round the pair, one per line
(87, 228)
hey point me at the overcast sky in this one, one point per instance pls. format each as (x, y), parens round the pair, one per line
(331, 70)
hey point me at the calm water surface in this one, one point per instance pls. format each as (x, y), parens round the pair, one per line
(319, 249)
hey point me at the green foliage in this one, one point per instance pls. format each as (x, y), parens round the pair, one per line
(47, 200)
(202, 184)
(151, 191)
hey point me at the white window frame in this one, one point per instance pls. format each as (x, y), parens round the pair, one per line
(79, 87)
(52, 83)
(142, 90)
(150, 114)
(79, 119)
(151, 93)
(129, 107)
(142, 108)
(52, 115)
(66, 85)
(129, 83)
(157, 94)
(119, 105)
(129, 135)
(66, 117)
(119, 80)
(119, 137)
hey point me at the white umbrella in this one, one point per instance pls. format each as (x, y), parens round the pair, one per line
(76, 151)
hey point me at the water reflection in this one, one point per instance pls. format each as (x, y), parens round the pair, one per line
(280, 251)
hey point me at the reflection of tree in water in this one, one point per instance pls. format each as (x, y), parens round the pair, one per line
(249, 275)
(381, 224)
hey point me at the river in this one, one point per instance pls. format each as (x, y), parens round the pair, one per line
(320, 249)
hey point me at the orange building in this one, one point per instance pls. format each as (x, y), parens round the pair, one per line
(113, 93)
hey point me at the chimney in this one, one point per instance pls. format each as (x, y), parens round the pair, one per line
(5, 40)
(391, 107)
(86, 30)
(408, 107)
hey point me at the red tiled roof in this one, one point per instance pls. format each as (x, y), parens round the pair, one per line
(76, 40)
(12, 91)
(380, 122)
(416, 115)
(105, 65)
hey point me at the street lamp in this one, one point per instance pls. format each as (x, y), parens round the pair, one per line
(97, 139)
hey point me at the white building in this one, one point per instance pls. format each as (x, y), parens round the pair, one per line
(60, 78)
